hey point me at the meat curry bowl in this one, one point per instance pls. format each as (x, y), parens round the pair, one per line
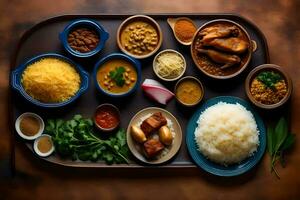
(117, 75)
(222, 49)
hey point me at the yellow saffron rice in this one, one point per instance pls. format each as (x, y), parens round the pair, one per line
(50, 80)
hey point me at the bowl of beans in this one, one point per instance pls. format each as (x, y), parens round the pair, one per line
(83, 38)
(139, 36)
(268, 86)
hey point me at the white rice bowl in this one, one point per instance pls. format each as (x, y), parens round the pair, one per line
(227, 133)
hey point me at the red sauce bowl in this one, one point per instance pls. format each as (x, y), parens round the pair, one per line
(107, 117)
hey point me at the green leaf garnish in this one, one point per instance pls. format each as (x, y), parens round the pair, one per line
(117, 76)
(278, 141)
(269, 79)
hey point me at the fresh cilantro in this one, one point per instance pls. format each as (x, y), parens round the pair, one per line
(117, 76)
(75, 139)
(269, 79)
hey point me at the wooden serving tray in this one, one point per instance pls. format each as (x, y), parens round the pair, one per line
(43, 38)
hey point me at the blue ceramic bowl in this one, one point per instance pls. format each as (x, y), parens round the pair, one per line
(103, 35)
(16, 84)
(135, 63)
(216, 169)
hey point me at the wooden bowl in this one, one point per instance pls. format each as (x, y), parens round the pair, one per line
(142, 18)
(252, 47)
(266, 67)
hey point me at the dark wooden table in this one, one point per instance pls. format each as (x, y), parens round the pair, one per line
(279, 20)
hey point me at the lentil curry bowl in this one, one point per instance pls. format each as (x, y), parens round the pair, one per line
(268, 86)
(117, 74)
(221, 49)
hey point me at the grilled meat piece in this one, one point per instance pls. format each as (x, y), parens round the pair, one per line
(221, 58)
(232, 45)
(213, 32)
(153, 147)
(153, 123)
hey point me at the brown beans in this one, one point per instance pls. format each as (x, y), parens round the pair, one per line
(83, 40)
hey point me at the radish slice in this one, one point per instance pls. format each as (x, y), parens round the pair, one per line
(157, 91)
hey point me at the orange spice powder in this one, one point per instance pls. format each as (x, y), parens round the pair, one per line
(184, 30)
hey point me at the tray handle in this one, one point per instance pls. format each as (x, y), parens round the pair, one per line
(254, 45)
(15, 82)
(85, 82)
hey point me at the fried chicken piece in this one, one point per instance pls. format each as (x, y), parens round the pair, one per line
(153, 123)
(232, 44)
(214, 32)
(221, 58)
(153, 147)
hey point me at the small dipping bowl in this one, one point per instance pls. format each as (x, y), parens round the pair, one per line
(189, 78)
(274, 68)
(139, 18)
(36, 145)
(170, 51)
(84, 23)
(35, 116)
(107, 111)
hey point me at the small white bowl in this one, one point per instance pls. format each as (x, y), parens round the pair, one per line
(26, 137)
(36, 149)
(172, 51)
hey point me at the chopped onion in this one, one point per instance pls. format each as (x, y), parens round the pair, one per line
(157, 91)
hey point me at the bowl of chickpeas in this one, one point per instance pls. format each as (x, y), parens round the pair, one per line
(139, 36)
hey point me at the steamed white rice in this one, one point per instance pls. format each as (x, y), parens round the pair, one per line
(227, 133)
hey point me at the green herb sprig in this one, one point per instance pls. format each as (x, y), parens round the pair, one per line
(117, 76)
(75, 139)
(278, 141)
(269, 79)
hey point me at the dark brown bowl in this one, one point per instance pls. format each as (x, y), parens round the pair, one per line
(112, 107)
(266, 67)
(142, 18)
(252, 47)
(192, 78)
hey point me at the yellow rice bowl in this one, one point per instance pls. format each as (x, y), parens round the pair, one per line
(50, 80)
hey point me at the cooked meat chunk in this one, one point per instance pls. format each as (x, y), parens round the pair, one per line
(153, 147)
(221, 58)
(231, 45)
(213, 32)
(153, 123)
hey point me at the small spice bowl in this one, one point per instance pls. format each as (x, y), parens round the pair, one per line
(190, 83)
(107, 117)
(132, 30)
(29, 126)
(43, 145)
(91, 40)
(155, 65)
(172, 22)
(264, 68)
